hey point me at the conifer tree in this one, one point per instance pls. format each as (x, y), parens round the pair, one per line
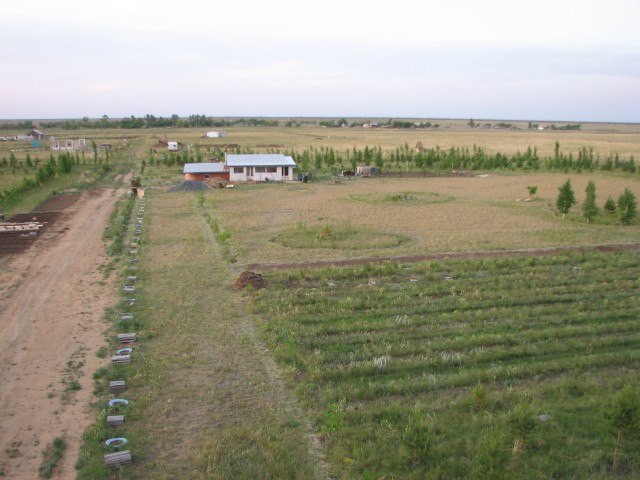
(610, 206)
(627, 206)
(566, 198)
(589, 208)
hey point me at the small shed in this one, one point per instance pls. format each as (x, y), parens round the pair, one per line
(365, 170)
(216, 134)
(205, 171)
(37, 134)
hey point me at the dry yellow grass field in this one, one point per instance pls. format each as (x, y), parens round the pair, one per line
(603, 138)
(624, 140)
(448, 214)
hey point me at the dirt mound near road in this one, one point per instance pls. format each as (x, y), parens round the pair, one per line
(250, 278)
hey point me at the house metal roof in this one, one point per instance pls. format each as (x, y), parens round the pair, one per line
(259, 160)
(214, 167)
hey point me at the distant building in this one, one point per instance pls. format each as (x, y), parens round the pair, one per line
(365, 170)
(173, 146)
(37, 134)
(69, 145)
(216, 134)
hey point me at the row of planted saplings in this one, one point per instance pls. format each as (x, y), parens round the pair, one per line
(119, 454)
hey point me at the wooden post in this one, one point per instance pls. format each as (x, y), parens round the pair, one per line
(615, 452)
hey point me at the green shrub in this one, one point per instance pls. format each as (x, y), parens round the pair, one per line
(419, 438)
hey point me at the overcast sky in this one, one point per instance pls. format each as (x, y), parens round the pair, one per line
(500, 59)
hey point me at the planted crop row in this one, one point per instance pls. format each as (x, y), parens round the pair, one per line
(317, 306)
(460, 356)
(459, 341)
(442, 361)
(460, 323)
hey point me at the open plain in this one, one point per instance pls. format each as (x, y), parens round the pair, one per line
(384, 367)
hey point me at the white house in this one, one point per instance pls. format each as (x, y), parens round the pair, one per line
(260, 167)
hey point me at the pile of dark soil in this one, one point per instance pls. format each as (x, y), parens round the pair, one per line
(189, 186)
(250, 278)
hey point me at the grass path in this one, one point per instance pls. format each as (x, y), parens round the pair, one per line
(209, 399)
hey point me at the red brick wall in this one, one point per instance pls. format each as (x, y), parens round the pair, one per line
(200, 176)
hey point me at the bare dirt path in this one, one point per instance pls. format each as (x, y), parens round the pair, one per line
(52, 300)
(537, 252)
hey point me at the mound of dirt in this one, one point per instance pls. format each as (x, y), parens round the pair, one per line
(189, 186)
(250, 278)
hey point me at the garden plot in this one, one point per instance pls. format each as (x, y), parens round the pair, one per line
(22, 229)
(499, 367)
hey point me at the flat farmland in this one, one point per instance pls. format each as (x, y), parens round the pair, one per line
(463, 369)
(466, 368)
(603, 138)
(397, 371)
(401, 216)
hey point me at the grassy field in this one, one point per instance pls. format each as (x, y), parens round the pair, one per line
(429, 370)
(604, 138)
(432, 370)
(443, 369)
(282, 223)
(492, 141)
(207, 399)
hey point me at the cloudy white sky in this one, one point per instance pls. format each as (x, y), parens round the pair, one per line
(501, 59)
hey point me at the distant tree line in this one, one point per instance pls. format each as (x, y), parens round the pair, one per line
(405, 158)
(460, 158)
(148, 121)
(568, 126)
(175, 121)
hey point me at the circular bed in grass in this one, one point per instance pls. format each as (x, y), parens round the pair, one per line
(400, 198)
(339, 237)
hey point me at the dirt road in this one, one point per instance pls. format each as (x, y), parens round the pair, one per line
(52, 301)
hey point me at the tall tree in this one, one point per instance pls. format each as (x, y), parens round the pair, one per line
(566, 198)
(627, 207)
(589, 208)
